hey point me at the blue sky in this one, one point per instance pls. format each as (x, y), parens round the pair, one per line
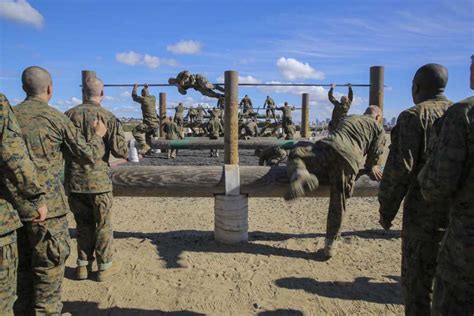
(266, 41)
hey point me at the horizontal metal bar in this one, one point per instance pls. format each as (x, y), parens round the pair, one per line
(244, 84)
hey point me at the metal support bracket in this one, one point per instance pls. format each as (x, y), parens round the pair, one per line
(232, 179)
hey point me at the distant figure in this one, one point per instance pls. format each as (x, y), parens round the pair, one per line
(271, 156)
(200, 113)
(270, 106)
(424, 223)
(179, 115)
(172, 131)
(448, 175)
(336, 160)
(250, 128)
(221, 102)
(185, 80)
(192, 114)
(340, 107)
(287, 120)
(150, 123)
(246, 105)
(214, 129)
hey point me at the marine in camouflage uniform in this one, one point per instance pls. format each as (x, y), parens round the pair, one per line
(185, 80)
(16, 166)
(200, 114)
(448, 175)
(246, 105)
(89, 186)
(340, 107)
(179, 115)
(214, 130)
(150, 122)
(192, 114)
(172, 131)
(424, 222)
(250, 129)
(271, 156)
(269, 105)
(287, 120)
(336, 160)
(43, 249)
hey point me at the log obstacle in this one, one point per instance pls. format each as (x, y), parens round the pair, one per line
(208, 181)
(196, 143)
(162, 113)
(376, 91)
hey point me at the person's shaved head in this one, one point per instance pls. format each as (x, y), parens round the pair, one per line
(429, 80)
(36, 81)
(93, 87)
(375, 112)
(344, 99)
(145, 92)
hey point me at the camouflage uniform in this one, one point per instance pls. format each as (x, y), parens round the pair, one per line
(214, 129)
(179, 115)
(287, 120)
(251, 129)
(200, 114)
(150, 122)
(192, 114)
(271, 156)
(90, 187)
(16, 166)
(172, 131)
(270, 106)
(185, 80)
(449, 175)
(340, 110)
(246, 104)
(43, 249)
(423, 222)
(336, 160)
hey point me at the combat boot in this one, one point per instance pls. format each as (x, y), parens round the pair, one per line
(300, 180)
(330, 246)
(82, 272)
(106, 275)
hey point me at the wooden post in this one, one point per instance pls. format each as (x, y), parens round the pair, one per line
(305, 115)
(231, 121)
(162, 113)
(376, 86)
(85, 75)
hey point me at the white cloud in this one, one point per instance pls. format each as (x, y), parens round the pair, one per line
(109, 98)
(129, 58)
(189, 47)
(125, 94)
(133, 58)
(21, 11)
(242, 79)
(70, 102)
(292, 69)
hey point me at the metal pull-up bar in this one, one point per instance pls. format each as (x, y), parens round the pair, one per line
(243, 84)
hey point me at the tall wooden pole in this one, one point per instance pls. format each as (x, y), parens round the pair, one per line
(376, 86)
(85, 75)
(305, 115)
(162, 113)
(231, 124)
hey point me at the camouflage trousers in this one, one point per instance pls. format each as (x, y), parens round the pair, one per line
(450, 299)
(8, 276)
(149, 130)
(422, 231)
(43, 250)
(179, 120)
(94, 232)
(329, 167)
(172, 153)
(270, 114)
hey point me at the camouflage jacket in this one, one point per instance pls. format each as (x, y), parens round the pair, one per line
(409, 143)
(246, 102)
(449, 175)
(94, 178)
(172, 130)
(16, 166)
(358, 136)
(269, 103)
(179, 111)
(214, 127)
(148, 105)
(49, 133)
(287, 111)
(340, 110)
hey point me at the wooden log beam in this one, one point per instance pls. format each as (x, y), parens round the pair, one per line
(376, 91)
(207, 181)
(162, 113)
(198, 143)
(231, 121)
(305, 115)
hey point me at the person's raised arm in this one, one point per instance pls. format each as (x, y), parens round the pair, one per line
(351, 93)
(135, 96)
(331, 97)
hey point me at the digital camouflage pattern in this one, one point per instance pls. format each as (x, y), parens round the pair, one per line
(327, 159)
(423, 222)
(287, 120)
(43, 251)
(449, 175)
(251, 128)
(48, 134)
(148, 107)
(200, 114)
(179, 115)
(94, 178)
(270, 108)
(192, 114)
(340, 109)
(214, 128)
(185, 80)
(246, 104)
(271, 156)
(94, 232)
(172, 131)
(16, 166)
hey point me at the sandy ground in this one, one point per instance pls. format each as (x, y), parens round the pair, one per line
(171, 264)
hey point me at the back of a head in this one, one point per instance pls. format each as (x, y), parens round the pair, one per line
(431, 78)
(35, 80)
(145, 92)
(373, 110)
(93, 87)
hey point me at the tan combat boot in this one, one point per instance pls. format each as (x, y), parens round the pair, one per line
(300, 180)
(82, 272)
(106, 275)
(330, 246)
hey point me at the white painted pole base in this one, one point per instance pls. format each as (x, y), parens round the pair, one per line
(132, 151)
(231, 218)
